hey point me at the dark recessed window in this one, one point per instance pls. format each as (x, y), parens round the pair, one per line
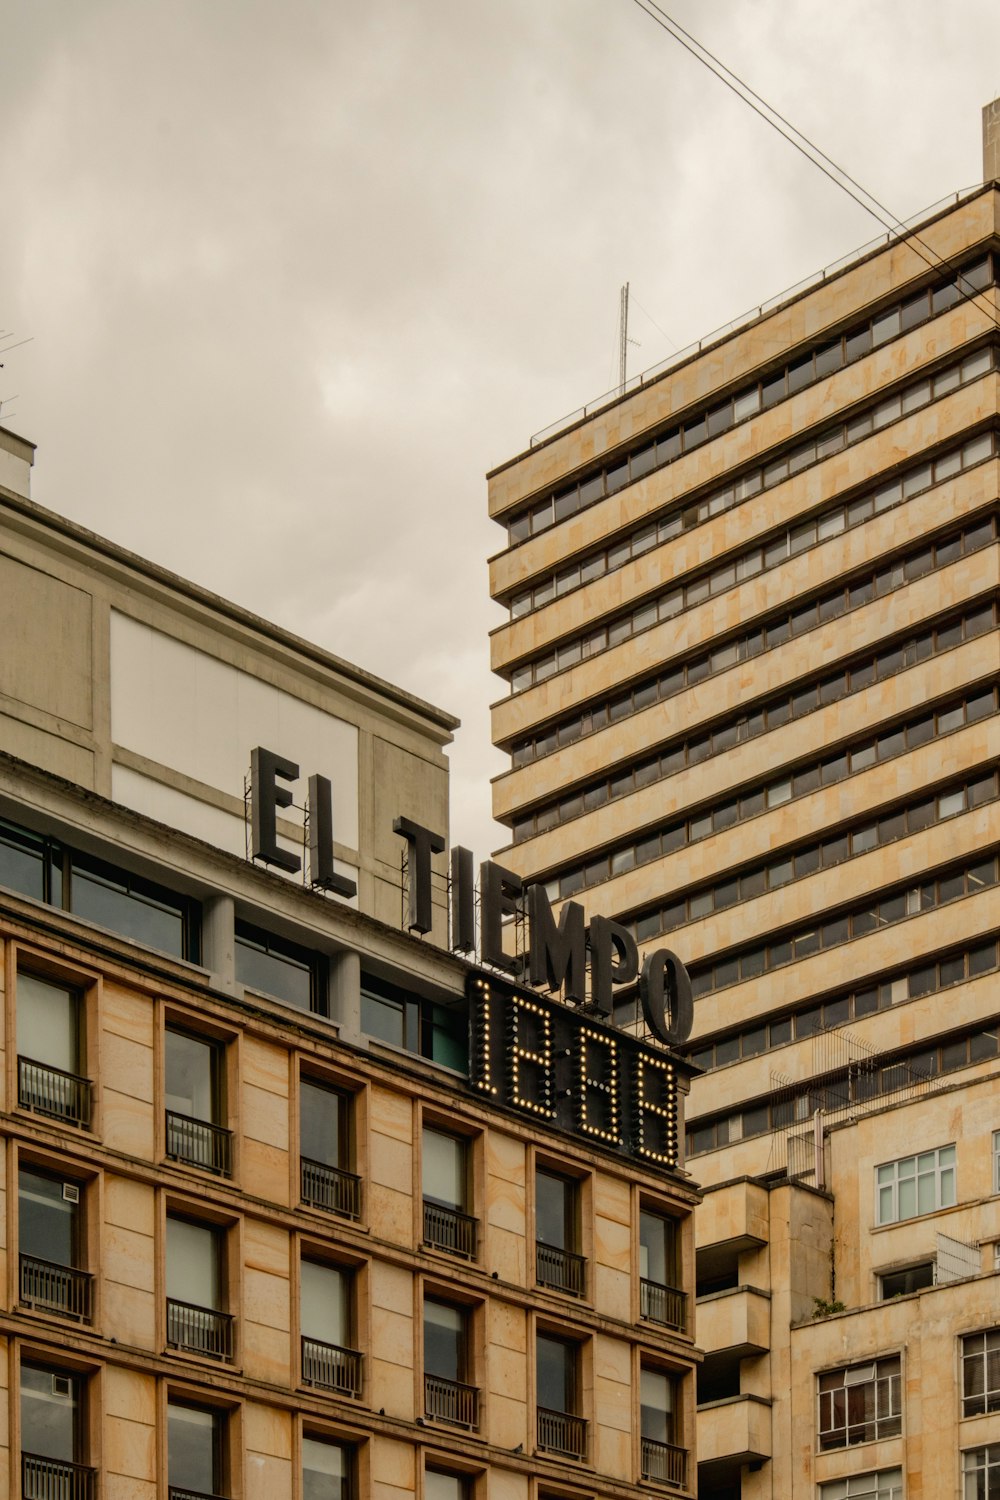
(280, 968)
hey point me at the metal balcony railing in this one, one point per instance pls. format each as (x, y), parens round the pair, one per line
(663, 1304)
(560, 1432)
(56, 1288)
(176, 1492)
(663, 1462)
(50, 1091)
(450, 1230)
(331, 1368)
(562, 1270)
(450, 1401)
(199, 1143)
(55, 1479)
(331, 1188)
(199, 1330)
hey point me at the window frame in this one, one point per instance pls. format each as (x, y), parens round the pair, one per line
(33, 963)
(221, 1138)
(882, 1379)
(227, 1236)
(988, 1399)
(891, 1186)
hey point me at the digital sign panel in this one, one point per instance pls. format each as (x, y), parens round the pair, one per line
(549, 1062)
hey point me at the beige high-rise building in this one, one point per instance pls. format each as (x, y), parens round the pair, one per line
(752, 663)
(291, 1208)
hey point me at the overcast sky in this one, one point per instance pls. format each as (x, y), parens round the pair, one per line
(297, 274)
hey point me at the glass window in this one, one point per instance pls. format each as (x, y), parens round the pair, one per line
(193, 1076)
(326, 1471)
(915, 1185)
(194, 1271)
(981, 1373)
(132, 907)
(49, 1023)
(445, 1169)
(860, 1404)
(325, 1304)
(52, 1426)
(886, 1485)
(981, 1473)
(556, 1372)
(195, 1449)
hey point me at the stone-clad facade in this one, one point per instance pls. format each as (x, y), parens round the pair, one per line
(752, 713)
(260, 1237)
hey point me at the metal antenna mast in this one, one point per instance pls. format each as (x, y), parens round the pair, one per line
(623, 337)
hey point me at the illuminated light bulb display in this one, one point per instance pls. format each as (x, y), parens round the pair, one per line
(546, 1061)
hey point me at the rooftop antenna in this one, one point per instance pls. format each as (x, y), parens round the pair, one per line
(623, 337)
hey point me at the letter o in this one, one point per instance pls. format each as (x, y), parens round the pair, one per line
(663, 974)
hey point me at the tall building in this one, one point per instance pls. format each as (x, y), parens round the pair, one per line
(752, 672)
(270, 1229)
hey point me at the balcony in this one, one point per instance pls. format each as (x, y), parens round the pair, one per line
(733, 1217)
(175, 1492)
(53, 1288)
(736, 1429)
(330, 1368)
(663, 1304)
(560, 1270)
(736, 1322)
(663, 1463)
(330, 1188)
(50, 1091)
(561, 1433)
(450, 1401)
(199, 1330)
(450, 1230)
(55, 1479)
(198, 1143)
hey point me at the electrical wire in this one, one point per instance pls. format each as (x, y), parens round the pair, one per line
(807, 148)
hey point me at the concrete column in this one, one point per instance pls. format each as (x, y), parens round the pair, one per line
(345, 994)
(991, 141)
(218, 940)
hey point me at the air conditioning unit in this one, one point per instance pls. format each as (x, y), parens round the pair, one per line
(71, 1192)
(61, 1385)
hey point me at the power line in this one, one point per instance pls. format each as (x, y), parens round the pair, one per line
(806, 147)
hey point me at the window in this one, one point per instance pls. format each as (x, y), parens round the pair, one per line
(449, 1393)
(327, 1469)
(558, 1262)
(909, 1279)
(996, 1161)
(560, 1429)
(326, 1149)
(133, 907)
(51, 1049)
(445, 1172)
(53, 1442)
(660, 1300)
(328, 1359)
(417, 1024)
(981, 1473)
(51, 1245)
(195, 1290)
(662, 1460)
(196, 1451)
(860, 1403)
(440, 1485)
(194, 1069)
(276, 967)
(915, 1185)
(981, 1373)
(888, 1485)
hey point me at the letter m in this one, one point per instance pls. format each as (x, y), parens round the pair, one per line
(557, 955)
